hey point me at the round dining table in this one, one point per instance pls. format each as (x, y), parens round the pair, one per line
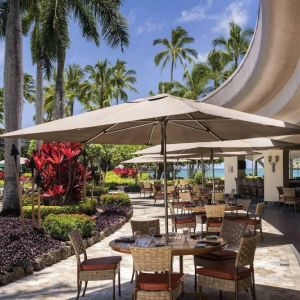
(179, 244)
(201, 209)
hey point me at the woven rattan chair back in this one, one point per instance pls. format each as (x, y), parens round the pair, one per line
(147, 185)
(246, 252)
(215, 211)
(259, 209)
(232, 232)
(171, 208)
(280, 190)
(184, 196)
(156, 259)
(289, 192)
(196, 188)
(77, 243)
(142, 226)
(170, 189)
(219, 196)
(246, 203)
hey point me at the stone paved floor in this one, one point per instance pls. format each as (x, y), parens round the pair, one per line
(276, 265)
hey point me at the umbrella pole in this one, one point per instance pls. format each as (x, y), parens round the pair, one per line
(164, 146)
(213, 173)
(202, 167)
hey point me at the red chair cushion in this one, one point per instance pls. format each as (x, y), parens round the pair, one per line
(158, 282)
(183, 219)
(101, 263)
(224, 271)
(253, 222)
(213, 224)
(219, 255)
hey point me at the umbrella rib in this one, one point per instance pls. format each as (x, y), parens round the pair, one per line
(210, 131)
(189, 127)
(130, 127)
(151, 133)
(102, 132)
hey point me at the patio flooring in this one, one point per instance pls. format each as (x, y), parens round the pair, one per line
(277, 268)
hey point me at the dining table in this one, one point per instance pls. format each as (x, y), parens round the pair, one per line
(181, 244)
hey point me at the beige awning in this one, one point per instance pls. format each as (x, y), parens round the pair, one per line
(139, 122)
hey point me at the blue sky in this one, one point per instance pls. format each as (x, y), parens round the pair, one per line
(203, 19)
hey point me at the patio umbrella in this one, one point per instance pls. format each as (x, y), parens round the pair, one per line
(155, 119)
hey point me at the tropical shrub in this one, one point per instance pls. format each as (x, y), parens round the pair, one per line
(58, 226)
(126, 172)
(132, 189)
(87, 207)
(120, 199)
(113, 178)
(97, 190)
(61, 172)
(198, 177)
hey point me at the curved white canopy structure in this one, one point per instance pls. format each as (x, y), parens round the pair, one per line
(267, 81)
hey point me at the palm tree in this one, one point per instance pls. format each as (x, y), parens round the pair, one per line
(89, 13)
(122, 81)
(48, 107)
(1, 106)
(73, 83)
(40, 56)
(97, 91)
(194, 83)
(237, 44)
(29, 88)
(175, 50)
(164, 87)
(11, 29)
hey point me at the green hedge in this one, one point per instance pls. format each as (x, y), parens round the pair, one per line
(87, 207)
(97, 190)
(120, 199)
(113, 178)
(58, 226)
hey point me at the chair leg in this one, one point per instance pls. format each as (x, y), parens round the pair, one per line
(119, 282)
(85, 286)
(132, 276)
(79, 284)
(236, 290)
(114, 288)
(195, 287)
(200, 292)
(261, 234)
(220, 295)
(252, 288)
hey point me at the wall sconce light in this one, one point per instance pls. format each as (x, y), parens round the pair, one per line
(273, 163)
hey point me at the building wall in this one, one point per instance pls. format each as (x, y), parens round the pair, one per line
(275, 173)
(230, 173)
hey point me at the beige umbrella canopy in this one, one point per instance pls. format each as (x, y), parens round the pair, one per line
(253, 144)
(155, 119)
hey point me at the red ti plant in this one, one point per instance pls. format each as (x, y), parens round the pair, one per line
(126, 172)
(61, 171)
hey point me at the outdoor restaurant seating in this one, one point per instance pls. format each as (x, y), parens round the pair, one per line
(180, 221)
(154, 276)
(246, 204)
(94, 269)
(231, 232)
(215, 215)
(184, 196)
(232, 276)
(145, 187)
(280, 194)
(142, 227)
(218, 197)
(290, 198)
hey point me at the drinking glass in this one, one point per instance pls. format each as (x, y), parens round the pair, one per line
(152, 231)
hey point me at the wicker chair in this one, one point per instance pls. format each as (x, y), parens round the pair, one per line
(154, 277)
(232, 276)
(231, 232)
(215, 216)
(94, 269)
(280, 194)
(180, 221)
(142, 226)
(289, 196)
(184, 196)
(147, 188)
(157, 193)
(218, 197)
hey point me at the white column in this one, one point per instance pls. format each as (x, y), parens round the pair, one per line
(276, 166)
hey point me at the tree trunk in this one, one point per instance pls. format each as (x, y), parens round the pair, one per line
(39, 98)
(172, 70)
(59, 85)
(13, 100)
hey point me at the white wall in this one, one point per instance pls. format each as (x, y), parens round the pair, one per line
(273, 179)
(230, 173)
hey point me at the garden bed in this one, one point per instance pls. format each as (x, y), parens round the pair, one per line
(23, 252)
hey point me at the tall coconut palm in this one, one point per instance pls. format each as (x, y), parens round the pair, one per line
(1, 106)
(164, 87)
(123, 81)
(41, 57)
(29, 88)
(237, 44)
(175, 50)
(89, 14)
(97, 91)
(73, 83)
(194, 83)
(11, 29)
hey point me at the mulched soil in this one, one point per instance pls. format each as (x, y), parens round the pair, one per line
(18, 247)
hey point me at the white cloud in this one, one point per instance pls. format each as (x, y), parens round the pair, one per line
(131, 17)
(202, 57)
(148, 26)
(236, 12)
(196, 13)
